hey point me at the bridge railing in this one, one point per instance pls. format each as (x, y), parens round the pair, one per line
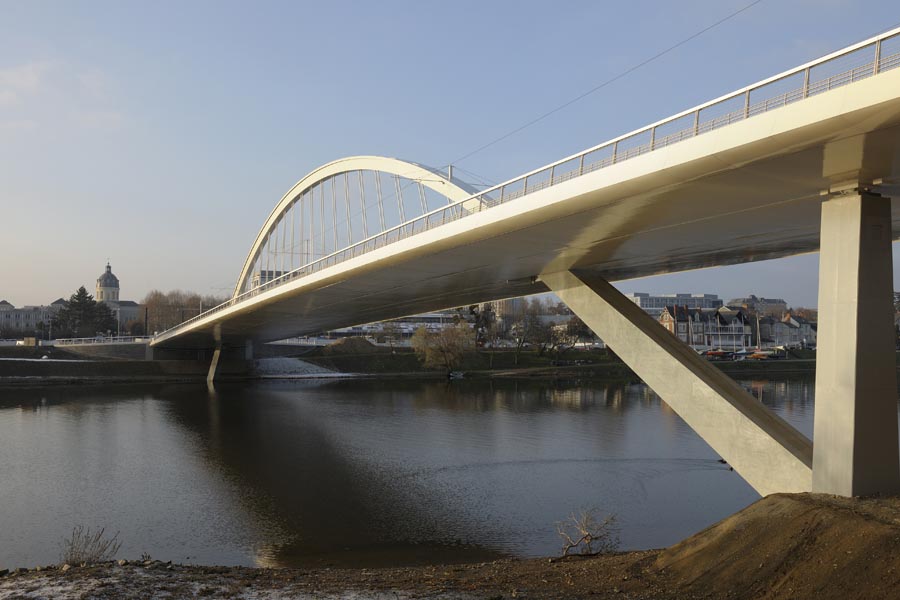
(130, 339)
(854, 63)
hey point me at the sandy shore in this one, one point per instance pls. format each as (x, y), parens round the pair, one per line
(797, 546)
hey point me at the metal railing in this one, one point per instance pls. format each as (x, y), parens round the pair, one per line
(130, 339)
(620, 149)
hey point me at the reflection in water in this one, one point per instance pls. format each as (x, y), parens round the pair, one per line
(358, 472)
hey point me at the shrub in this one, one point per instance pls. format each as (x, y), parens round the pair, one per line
(85, 546)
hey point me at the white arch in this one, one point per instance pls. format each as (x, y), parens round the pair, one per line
(455, 190)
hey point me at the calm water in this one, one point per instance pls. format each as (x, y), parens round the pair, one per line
(357, 472)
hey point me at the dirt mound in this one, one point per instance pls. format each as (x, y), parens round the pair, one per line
(793, 546)
(351, 345)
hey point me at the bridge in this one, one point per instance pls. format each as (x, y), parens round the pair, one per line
(805, 161)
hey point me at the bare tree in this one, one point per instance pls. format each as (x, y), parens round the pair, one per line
(444, 349)
(492, 336)
(587, 534)
(168, 309)
(527, 329)
(578, 331)
(544, 336)
(391, 332)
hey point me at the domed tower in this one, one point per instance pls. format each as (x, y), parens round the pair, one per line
(107, 287)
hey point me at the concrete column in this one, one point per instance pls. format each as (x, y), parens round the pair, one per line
(855, 437)
(214, 365)
(765, 450)
(248, 350)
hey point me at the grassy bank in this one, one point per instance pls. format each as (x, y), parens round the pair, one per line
(355, 355)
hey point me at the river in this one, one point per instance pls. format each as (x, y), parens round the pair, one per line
(357, 472)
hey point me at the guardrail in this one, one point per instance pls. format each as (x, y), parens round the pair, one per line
(131, 339)
(854, 63)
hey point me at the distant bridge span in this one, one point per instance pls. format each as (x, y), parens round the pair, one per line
(803, 161)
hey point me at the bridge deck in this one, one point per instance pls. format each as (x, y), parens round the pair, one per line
(745, 192)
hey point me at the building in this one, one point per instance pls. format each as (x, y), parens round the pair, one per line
(27, 321)
(654, 304)
(511, 308)
(806, 331)
(705, 328)
(107, 292)
(264, 277)
(772, 307)
(791, 331)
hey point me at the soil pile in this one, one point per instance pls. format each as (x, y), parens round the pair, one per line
(794, 546)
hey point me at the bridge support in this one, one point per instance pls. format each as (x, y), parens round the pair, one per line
(222, 353)
(766, 451)
(855, 431)
(214, 365)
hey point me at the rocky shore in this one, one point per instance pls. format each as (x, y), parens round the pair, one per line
(798, 546)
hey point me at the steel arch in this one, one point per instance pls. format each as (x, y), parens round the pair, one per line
(454, 190)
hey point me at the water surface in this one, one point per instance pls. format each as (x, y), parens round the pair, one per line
(357, 472)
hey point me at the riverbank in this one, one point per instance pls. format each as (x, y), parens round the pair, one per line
(794, 546)
(349, 358)
(355, 355)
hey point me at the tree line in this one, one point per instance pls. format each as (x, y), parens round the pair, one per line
(164, 310)
(478, 329)
(83, 316)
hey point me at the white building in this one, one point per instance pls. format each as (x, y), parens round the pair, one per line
(654, 304)
(107, 291)
(708, 328)
(28, 320)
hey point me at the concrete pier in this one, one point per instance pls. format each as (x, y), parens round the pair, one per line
(855, 434)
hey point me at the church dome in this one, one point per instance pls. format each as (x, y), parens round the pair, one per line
(107, 279)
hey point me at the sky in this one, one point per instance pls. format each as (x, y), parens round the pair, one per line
(159, 135)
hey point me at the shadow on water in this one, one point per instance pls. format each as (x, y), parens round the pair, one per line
(296, 472)
(306, 474)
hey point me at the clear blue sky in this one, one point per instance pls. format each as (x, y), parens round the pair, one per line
(159, 135)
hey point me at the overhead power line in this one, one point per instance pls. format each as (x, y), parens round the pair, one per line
(596, 88)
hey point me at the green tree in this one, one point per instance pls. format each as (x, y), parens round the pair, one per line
(104, 319)
(82, 316)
